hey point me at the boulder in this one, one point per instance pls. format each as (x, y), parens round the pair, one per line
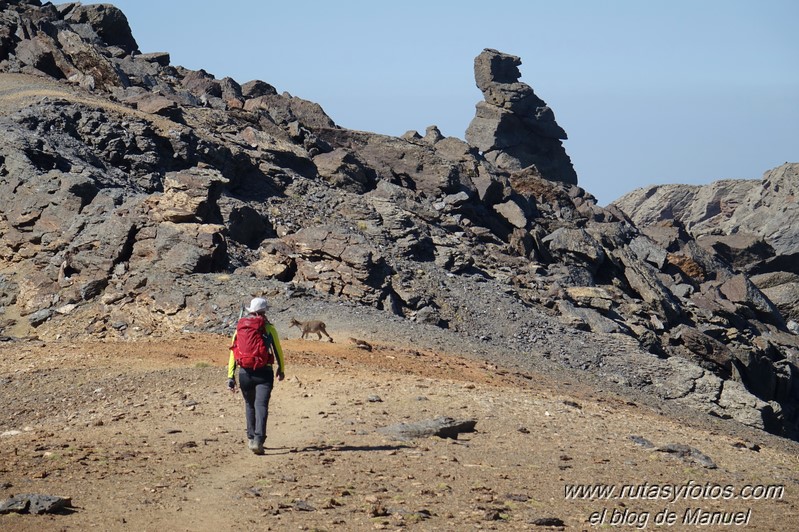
(201, 83)
(432, 135)
(643, 280)
(589, 319)
(257, 88)
(739, 289)
(156, 105)
(744, 407)
(272, 266)
(160, 58)
(591, 296)
(741, 250)
(701, 349)
(343, 169)
(516, 211)
(284, 109)
(336, 262)
(576, 242)
(189, 196)
(42, 53)
(95, 69)
(109, 22)
(647, 250)
(786, 298)
(180, 248)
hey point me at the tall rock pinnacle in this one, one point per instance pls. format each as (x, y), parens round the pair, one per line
(513, 127)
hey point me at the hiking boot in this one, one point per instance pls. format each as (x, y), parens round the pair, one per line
(257, 447)
(252, 445)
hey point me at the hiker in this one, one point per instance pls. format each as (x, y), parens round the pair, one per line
(254, 350)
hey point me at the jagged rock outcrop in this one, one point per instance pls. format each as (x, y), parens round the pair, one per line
(753, 225)
(157, 198)
(513, 127)
(766, 208)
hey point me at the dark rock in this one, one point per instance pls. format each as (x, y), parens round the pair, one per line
(284, 109)
(303, 506)
(34, 503)
(740, 289)
(703, 349)
(786, 298)
(689, 454)
(548, 521)
(109, 22)
(157, 105)
(201, 83)
(416, 167)
(429, 315)
(257, 88)
(739, 249)
(432, 135)
(93, 288)
(343, 169)
(39, 317)
(643, 279)
(575, 242)
(513, 128)
(43, 54)
(593, 320)
(443, 427)
(160, 58)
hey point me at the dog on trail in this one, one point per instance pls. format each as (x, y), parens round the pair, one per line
(310, 327)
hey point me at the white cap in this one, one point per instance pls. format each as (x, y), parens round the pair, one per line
(257, 305)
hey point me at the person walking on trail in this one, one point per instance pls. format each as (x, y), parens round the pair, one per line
(254, 350)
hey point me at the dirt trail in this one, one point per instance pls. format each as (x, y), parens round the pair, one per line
(17, 90)
(144, 436)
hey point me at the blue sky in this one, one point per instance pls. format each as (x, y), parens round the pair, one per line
(649, 91)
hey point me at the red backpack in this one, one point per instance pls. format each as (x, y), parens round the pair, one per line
(250, 348)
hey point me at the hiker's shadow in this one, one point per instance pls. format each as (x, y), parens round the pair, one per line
(334, 448)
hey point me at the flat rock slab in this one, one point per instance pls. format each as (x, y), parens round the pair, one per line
(443, 427)
(34, 504)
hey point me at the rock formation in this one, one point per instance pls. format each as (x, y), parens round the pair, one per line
(140, 198)
(514, 128)
(753, 225)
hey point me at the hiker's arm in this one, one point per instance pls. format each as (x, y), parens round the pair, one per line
(281, 368)
(231, 367)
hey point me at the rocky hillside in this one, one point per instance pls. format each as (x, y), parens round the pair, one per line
(753, 224)
(139, 198)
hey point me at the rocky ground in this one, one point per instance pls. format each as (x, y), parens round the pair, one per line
(144, 436)
(142, 203)
(139, 198)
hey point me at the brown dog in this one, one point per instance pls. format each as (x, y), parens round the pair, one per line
(310, 327)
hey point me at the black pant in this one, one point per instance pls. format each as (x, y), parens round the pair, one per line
(256, 387)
